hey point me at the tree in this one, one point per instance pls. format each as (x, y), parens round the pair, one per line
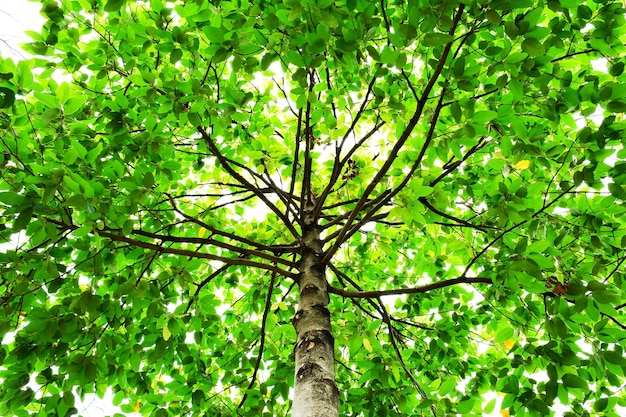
(182, 180)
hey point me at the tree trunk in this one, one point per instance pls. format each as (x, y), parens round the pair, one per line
(316, 393)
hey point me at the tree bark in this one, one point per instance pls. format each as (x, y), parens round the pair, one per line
(315, 389)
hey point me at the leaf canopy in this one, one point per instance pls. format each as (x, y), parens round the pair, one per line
(467, 158)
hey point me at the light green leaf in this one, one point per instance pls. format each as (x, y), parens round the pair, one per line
(73, 104)
(538, 246)
(447, 386)
(47, 99)
(484, 116)
(503, 335)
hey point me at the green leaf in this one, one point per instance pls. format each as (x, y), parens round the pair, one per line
(23, 219)
(466, 406)
(616, 106)
(533, 47)
(73, 104)
(176, 55)
(483, 117)
(538, 246)
(421, 191)
(447, 386)
(47, 99)
(503, 335)
(7, 97)
(617, 191)
(114, 5)
(436, 39)
(493, 17)
(617, 69)
(574, 381)
(82, 231)
(605, 296)
(11, 198)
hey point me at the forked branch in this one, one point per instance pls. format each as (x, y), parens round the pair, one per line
(393, 155)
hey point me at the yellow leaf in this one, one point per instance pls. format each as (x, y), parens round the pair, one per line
(367, 345)
(505, 413)
(509, 343)
(202, 232)
(166, 333)
(136, 406)
(497, 155)
(523, 164)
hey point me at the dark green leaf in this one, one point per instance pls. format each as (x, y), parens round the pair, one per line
(436, 39)
(533, 47)
(114, 5)
(23, 219)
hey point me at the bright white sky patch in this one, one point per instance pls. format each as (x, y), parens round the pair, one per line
(16, 17)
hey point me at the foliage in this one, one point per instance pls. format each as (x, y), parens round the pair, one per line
(467, 158)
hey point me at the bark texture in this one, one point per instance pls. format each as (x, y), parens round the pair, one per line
(316, 393)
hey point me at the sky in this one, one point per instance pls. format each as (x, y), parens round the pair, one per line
(16, 17)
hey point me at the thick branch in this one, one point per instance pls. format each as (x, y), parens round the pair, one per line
(210, 241)
(416, 290)
(183, 252)
(195, 254)
(306, 192)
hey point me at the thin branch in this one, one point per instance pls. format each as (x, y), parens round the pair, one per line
(460, 222)
(385, 198)
(515, 226)
(204, 283)
(338, 167)
(614, 320)
(268, 304)
(195, 254)
(486, 93)
(339, 162)
(287, 200)
(449, 167)
(224, 162)
(586, 51)
(296, 157)
(329, 86)
(214, 230)
(392, 339)
(341, 276)
(617, 265)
